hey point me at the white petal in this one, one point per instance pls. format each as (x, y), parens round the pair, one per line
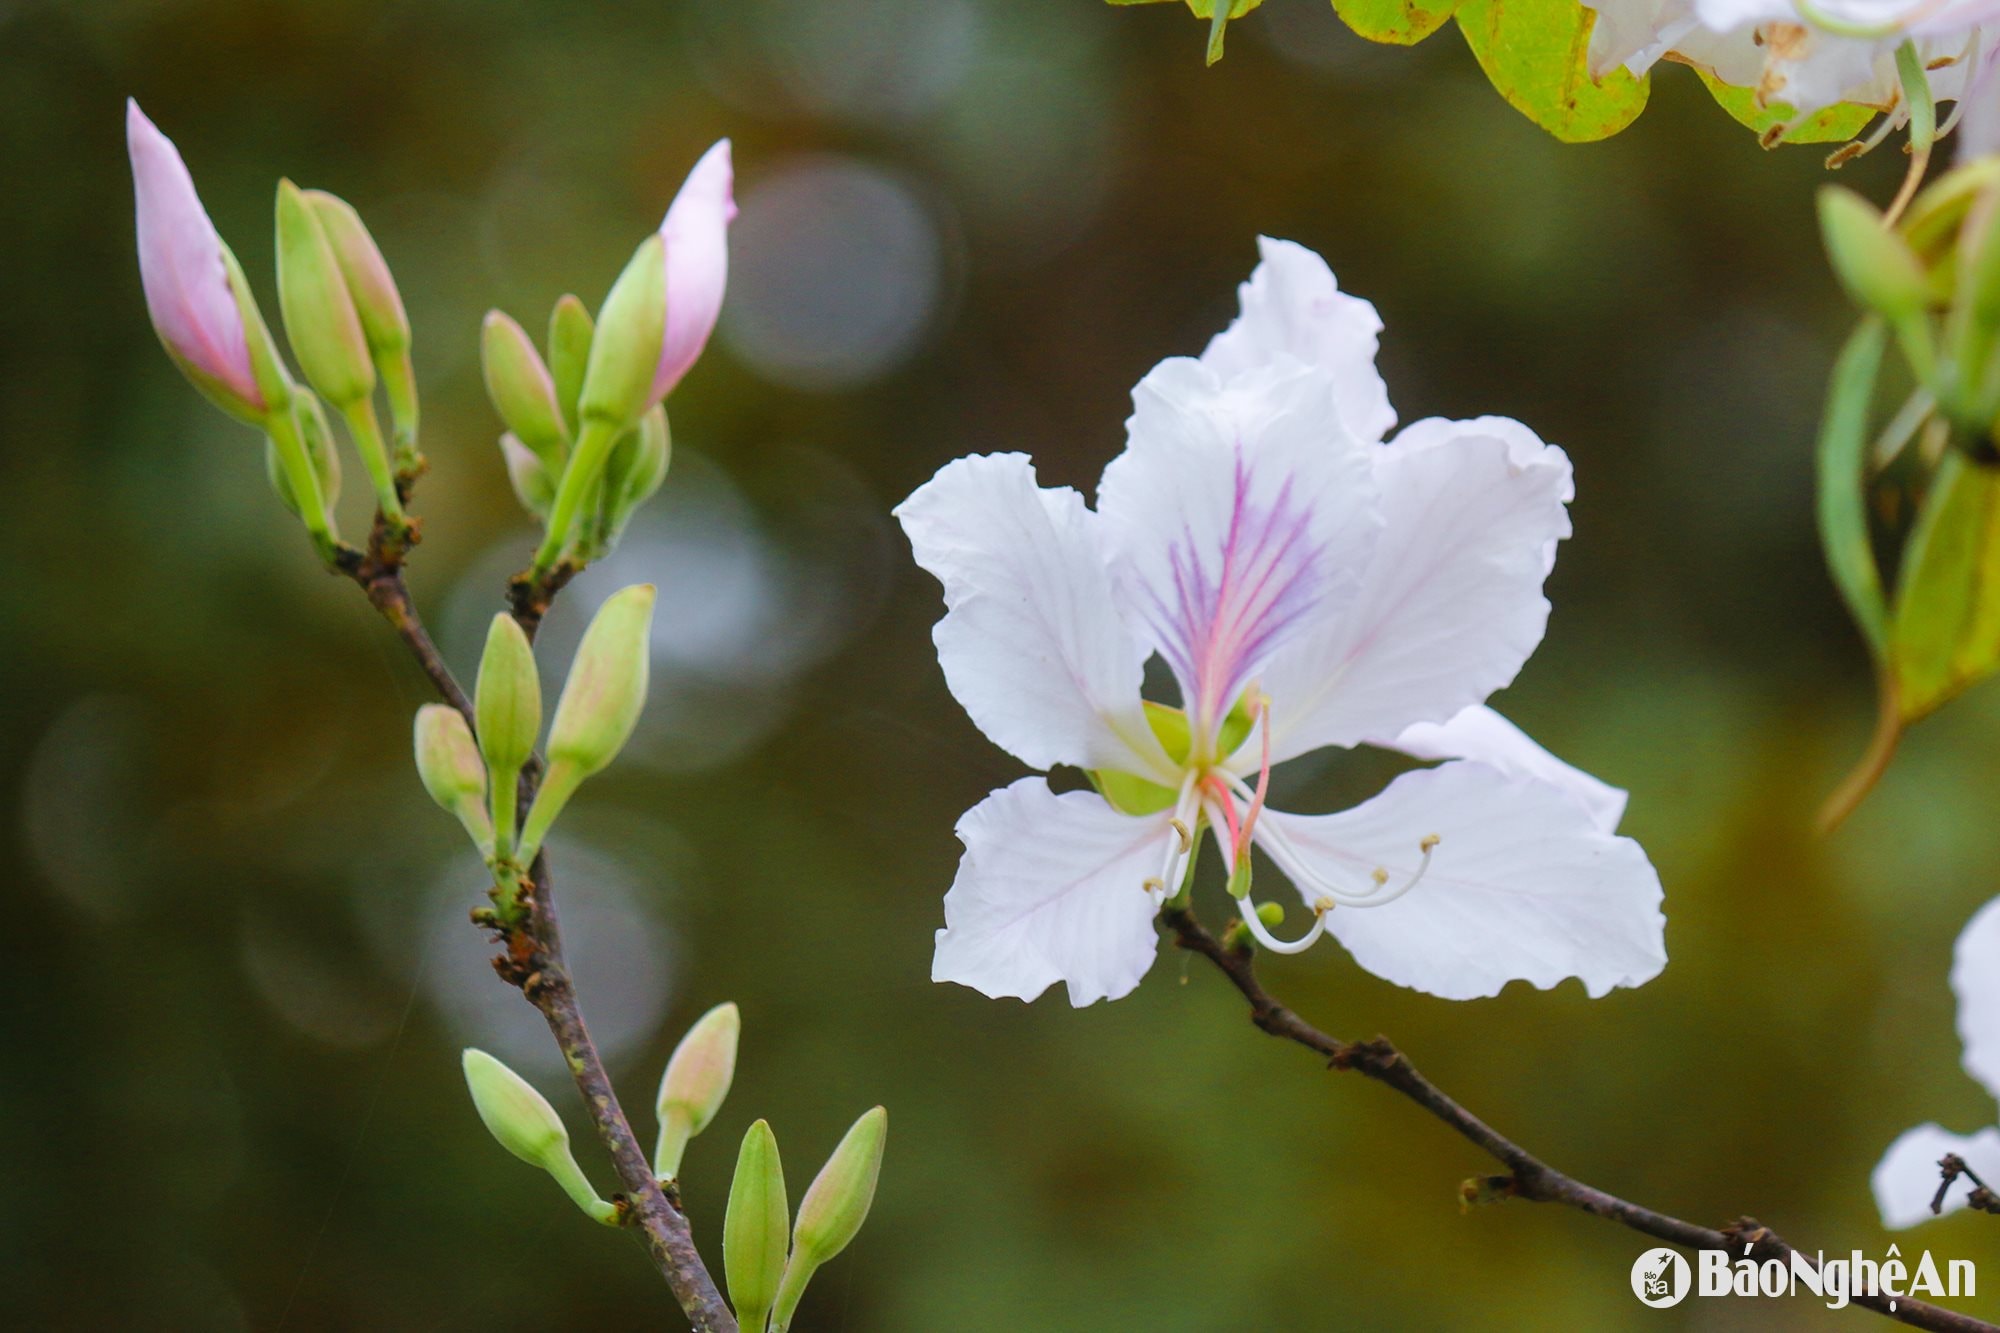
(1979, 130)
(1523, 886)
(1635, 33)
(1907, 1178)
(1452, 602)
(1482, 734)
(1975, 979)
(1051, 888)
(1032, 644)
(1239, 523)
(1293, 307)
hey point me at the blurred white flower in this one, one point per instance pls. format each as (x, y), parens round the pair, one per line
(1907, 1177)
(1309, 586)
(1806, 55)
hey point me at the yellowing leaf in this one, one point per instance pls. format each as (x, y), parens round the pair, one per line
(1535, 52)
(1398, 22)
(1833, 124)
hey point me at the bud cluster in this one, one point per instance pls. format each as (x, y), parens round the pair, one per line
(586, 439)
(769, 1256)
(343, 318)
(473, 770)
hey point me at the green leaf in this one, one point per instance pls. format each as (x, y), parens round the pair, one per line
(1946, 632)
(1398, 22)
(1536, 53)
(1843, 507)
(1833, 124)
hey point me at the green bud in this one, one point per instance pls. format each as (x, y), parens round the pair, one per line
(507, 703)
(320, 318)
(835, 1206)
(570, 327)
(527, 1126)
(625, 353)
(448, 761)
(599, 707)
(533, 486)
(697, 1079)
(521, 390)
(606, 688)
(637, 468)
(1873, 263)
(754, 1229)
(384, 323)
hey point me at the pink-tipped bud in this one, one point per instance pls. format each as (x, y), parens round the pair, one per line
(696, 233)
(186, 272)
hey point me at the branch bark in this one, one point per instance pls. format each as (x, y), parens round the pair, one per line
(1528, 1177)
(533, 957)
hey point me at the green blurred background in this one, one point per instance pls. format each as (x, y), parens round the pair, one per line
(238, 971)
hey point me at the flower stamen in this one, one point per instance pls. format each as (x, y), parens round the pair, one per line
(1253, 923)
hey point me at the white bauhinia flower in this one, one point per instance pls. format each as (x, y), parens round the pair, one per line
(1307, 585)
(1808, 54)
(1907, 1177)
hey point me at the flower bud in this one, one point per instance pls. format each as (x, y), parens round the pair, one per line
(625, 349)
(533, 486)
(600, 705)
(835, 1206)
(527, 1126)
(606, 688)
(195, 294)
(637, 468)
(522, 393)
(1873, 263)
(697, 1079)
(317, 436)
(755, 1227)
(570, 330)
(448, 762)
(507, 704)
(384, 323)
(320, 318)
(696, 233)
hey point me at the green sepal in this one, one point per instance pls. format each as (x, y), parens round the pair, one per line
(1130, 795)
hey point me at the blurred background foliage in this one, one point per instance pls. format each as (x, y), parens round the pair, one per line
(238, 966)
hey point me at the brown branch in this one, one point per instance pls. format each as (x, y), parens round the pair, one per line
(1528, 1176)
(1950, 1167)
(533, 959)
